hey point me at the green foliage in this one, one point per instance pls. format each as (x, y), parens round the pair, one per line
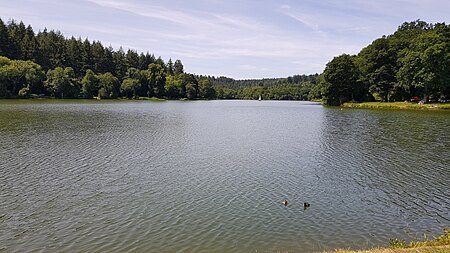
(17, 74)
(341, 81)
(178, 68)
(62, 83)
(192, 86)
(156, 76)
(396, 243)
(109, 86)
(426, 66)
(89, 84)
(130, 87)
(206, 89)
(378, 64)
(174, 88)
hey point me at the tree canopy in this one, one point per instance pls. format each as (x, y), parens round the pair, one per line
(414, 61)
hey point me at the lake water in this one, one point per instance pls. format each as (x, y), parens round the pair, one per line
(209, 176)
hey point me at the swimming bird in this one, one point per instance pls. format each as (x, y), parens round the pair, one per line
(306, 205)
(285, 202)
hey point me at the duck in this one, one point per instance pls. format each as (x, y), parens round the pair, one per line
(306, 205)
(285, 202)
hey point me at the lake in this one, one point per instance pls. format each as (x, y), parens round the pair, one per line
(209, 176)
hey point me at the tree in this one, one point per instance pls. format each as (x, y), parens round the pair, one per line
(52, 49)
(174, 87)
(29, 45)
(18, 74)
(89, 84)
(206, 89)
(378, 63)
(62, 83)
(341, 81)
(426, 66)
(170, 68)
(5, 41)
(109, 86)
(130, 87)
(119, 63)
(156, 76)
(132, 59)
(192, 87)
(16, 33)
(178, 68)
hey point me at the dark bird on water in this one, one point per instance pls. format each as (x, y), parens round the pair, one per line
(284, 202)
(306, 205)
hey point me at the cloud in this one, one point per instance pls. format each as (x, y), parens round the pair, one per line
(233, 37)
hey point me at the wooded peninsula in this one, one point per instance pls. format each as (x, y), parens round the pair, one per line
(413, 63)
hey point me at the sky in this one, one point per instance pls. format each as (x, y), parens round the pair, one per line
(242, 39)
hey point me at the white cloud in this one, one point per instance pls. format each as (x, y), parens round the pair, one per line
(238, 38)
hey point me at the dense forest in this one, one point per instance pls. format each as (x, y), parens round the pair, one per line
(48, 64)
(412, 62)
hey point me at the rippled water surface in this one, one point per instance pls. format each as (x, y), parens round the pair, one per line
(209, 176)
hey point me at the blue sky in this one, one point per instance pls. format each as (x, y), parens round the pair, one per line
(235, 38)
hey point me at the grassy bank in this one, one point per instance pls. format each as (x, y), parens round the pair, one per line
(398, 105)
(423, 249)
(440, 244)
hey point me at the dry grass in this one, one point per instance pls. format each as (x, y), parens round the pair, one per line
(440, 244)
(422, 249)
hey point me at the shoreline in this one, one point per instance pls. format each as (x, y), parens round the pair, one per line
(436, 245)
(398, 106)
(421, 249)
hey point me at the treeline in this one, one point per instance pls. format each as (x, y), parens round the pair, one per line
(297, 87)
(231, 83)
(277, 92)
(47, 63)
(414, 61)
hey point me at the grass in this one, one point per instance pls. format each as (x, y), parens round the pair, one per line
(151, 99)
(423, 249)
(398, 105)
(440, 244)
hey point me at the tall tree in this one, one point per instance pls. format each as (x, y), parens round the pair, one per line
(206, 89)
(120, 63)
(5, 41)
(378, 63)
(341, 77)
(178, 67)
(18, 74)
(156, 76)
(62, 83)
(29, 45)
(109, 86)
(170, 67)
(89, 84)
(192, 86)
(130, 87)
(426, 66)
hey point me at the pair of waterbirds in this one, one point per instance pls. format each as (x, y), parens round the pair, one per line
(286, 202)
